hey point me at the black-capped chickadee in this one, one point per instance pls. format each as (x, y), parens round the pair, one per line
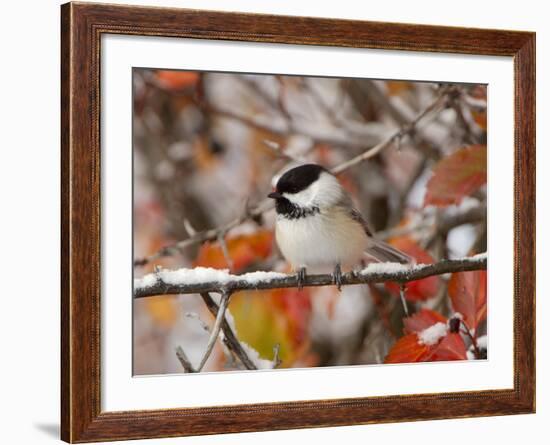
(317, 225)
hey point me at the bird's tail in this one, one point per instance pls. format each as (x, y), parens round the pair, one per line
(384, 253)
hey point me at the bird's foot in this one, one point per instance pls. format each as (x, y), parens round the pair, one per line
(301, 276)
(337, 276)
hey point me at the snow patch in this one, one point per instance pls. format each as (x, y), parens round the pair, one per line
(482, 342)
(478, 257)
(146, 281)
(255, 357)
(430, 336)
(203, 275)
(261, 277)
(194, 276)
(184, 276)
(386, 268)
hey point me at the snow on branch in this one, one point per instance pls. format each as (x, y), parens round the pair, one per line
(254, 213)
(201, 280)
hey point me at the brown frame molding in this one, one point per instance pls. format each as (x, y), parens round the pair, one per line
(81, 28)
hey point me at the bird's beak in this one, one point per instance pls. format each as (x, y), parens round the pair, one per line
(275, 195)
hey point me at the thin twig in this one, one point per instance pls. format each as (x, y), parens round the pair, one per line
(468, 136)
(374, 273)
(402, 290)
(402, 114)
(224, 301)
(267, 204)
(259, 91)
(189, 228)
(344, 133)
(229, 337)
(225, 250)
(467, 332)
(276, 360)
(320, 102)
(334, 136)
(185, 363)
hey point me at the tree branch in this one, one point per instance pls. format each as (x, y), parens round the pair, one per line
(188, 281)
(267, 204)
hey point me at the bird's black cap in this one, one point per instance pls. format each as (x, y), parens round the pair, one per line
(299, 178)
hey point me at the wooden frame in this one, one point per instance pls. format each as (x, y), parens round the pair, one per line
(82, 26)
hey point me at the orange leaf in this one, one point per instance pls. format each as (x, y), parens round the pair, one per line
(407, 350)
(450, 347)
(418, 290)
(422, 320)
(468, 292)
(177, 80)
(457, 176)
(480, 118)
(396, 87)
(163, 310)
(243, 250)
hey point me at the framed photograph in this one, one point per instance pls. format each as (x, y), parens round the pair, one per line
(275, 222)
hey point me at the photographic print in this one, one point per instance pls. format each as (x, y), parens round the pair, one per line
(296, 210)
(294, 222)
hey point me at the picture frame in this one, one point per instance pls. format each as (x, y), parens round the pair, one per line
(82, 27)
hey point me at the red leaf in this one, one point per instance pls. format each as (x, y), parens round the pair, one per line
(451, 347)
(468, 292)
(422, 320)
(418, 290)
(457, 175)
(296, 305)
(407, 350)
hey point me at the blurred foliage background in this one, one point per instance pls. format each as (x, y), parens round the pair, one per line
(206, 147)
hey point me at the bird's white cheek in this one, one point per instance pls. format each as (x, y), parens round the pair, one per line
(301, 199)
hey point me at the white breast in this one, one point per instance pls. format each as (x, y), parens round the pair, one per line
(320, 240)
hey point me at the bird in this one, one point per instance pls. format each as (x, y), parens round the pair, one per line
(317, 225)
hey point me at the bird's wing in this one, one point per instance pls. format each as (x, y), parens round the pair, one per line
(356, 216)
(379, 250)
(346, 204)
